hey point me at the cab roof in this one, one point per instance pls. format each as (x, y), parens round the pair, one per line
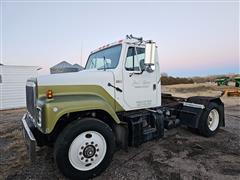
(122, 41)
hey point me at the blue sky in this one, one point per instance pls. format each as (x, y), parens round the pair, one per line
(194, 38)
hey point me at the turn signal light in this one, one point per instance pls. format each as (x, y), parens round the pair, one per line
(49, 94)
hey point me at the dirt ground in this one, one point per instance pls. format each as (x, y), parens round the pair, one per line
(181, 154)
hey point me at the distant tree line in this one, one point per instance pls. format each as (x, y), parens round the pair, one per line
(213, 78)
(169, 80)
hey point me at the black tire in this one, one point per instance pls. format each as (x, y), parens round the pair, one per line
(66, 138)
(203, 124)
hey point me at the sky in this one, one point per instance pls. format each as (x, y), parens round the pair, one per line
(194, 38)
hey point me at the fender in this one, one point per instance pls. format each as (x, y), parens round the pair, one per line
(205, 100)
(191, 116)
(55, 108)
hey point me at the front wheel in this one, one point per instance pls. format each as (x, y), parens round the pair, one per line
(210, 121)
(84, 149)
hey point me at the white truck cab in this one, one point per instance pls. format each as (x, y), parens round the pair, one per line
(139, 82)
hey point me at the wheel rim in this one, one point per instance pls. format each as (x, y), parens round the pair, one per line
(213, 120)
(87, 150)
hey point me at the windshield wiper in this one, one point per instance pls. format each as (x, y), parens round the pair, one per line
(104, 64)
(91, 63)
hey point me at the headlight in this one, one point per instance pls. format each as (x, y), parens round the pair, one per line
(39, 119)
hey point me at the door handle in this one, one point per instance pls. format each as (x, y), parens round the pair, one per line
(131, 74)
(154, 86)
(137, 73)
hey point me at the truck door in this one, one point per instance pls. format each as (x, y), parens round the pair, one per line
(139, 85)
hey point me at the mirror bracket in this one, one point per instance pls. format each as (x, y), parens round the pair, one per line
(149, 69)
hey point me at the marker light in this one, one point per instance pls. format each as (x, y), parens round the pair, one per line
(49, 94)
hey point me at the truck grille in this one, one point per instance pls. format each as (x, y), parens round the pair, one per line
(31, 98)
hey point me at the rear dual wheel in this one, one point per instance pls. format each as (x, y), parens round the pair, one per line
(210, 122)
(84, 149)
(213, 120)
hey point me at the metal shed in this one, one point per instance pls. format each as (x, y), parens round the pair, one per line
(64, 67)
(12, 85)
(78, 66)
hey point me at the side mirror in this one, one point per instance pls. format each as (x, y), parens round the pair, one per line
(150, 50)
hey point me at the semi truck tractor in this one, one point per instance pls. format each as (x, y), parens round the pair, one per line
(114, 103)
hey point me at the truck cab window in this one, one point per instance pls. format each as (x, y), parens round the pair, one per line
(135, 59)
(104, 59)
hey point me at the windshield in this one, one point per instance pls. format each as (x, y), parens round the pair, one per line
(104, 59)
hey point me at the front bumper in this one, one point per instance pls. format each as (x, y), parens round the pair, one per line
(30, 140)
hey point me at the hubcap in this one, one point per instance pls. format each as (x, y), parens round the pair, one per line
(213, 120)
(87, 150)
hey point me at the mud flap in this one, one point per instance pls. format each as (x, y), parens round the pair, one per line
(192, 110)
(121, 133)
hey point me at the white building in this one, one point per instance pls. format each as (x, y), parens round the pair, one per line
(12, 85)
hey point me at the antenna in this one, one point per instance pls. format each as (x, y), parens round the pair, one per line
(81, 53)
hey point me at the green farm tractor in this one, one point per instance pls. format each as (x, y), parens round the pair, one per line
(222, 81)
(237, 81)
